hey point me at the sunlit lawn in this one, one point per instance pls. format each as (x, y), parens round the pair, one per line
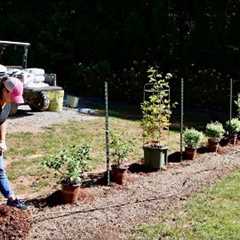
(213, 214)
(26, 150)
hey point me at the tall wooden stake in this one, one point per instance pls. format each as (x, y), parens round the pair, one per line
(107, 134)
(182, 115)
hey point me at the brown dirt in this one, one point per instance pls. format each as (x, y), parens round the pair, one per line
(14, 223)
(115, 211)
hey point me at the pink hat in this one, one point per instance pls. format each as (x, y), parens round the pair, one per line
(15, 87)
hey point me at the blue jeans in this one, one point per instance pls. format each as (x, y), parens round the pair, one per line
(5, 188)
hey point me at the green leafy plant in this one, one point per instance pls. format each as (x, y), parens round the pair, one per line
(156, 108)
(119, 148)
(70, 163)
(215, 130)
(192, 137)
(233, 126)
(237, 103)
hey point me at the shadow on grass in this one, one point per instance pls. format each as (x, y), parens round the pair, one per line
(21, 113)
(202, 150)
(100, 179)
(52, 200)
(96, 179)
(174, 157)
(93, 180)
(55, 198)
(140, 168)
(120, 109)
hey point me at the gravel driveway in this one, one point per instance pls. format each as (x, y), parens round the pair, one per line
(114, 211)
(27, 121)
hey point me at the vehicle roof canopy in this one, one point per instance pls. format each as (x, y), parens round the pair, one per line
(25, 44)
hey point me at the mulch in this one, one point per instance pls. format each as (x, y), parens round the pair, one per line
(15, 224)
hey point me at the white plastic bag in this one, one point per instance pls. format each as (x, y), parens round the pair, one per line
(36, 71)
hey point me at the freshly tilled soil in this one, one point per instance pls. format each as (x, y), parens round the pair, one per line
(14, 223)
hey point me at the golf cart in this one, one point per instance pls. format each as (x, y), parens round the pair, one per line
(40, 89)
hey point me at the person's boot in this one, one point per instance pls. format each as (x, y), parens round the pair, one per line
(18, 203)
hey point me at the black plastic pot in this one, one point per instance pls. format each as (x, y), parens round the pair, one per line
(155, 157)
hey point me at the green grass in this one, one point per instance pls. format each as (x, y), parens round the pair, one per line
(213, 214)
(26, 150)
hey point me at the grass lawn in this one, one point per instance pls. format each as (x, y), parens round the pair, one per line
(26, 150)
(213, 214)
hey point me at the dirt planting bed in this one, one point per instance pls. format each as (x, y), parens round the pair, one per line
(14, 223)
(112, 212)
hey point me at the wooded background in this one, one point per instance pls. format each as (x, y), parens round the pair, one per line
(88, 42)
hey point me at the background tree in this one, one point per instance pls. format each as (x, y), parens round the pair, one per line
(88, 42)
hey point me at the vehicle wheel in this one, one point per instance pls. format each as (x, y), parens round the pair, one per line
(39, 102)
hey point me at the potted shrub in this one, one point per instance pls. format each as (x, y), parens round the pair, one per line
(119, 150)
(192, 139)
(215, 132)
(233, 128)
(70, 164)
(237, 104)
(156, 119)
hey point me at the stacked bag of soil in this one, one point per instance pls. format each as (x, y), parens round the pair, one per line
(15, 224)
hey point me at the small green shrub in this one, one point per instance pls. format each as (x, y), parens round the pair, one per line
(192, 137)
(119, 148)
(70, 163)
(237, 104)
(215, 130)
(233, 126)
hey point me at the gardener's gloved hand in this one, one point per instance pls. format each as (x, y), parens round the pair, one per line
(3, 146)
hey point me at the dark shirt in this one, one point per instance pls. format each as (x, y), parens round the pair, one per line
(4, 113)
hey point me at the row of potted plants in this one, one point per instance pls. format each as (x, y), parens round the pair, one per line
(156, 110)
(71, 164)
(215, 131)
